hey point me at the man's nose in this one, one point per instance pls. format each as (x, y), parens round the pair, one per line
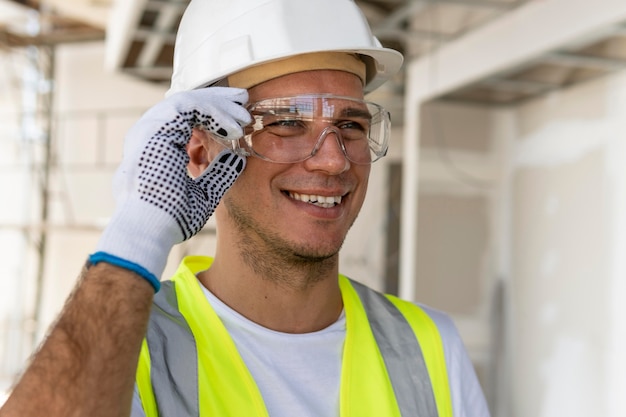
(329, 154)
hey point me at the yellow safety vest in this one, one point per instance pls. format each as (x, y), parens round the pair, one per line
(393, 359)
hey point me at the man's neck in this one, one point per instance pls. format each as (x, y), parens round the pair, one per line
(296, 299)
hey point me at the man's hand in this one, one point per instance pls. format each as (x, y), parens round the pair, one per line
(158, 203)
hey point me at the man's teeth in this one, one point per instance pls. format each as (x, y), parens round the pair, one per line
(318, 200)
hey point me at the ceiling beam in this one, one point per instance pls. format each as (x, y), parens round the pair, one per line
(392, 27)
(54, 30)
(517, 86)
(152, 73)
(31, 4)
(412, 35)
(167, 20)
(585, 61)
(401, 14)
(177, 5)
(163, 34)
(484, 4)
(528, 34)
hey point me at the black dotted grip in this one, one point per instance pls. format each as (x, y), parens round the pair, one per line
(163, 180)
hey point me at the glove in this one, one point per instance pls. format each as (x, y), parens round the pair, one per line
(157, 203)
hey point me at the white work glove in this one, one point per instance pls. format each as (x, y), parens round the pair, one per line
(158, 203)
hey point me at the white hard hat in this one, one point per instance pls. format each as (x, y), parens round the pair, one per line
(217, 38)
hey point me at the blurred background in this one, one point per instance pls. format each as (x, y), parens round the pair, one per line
(502, 200)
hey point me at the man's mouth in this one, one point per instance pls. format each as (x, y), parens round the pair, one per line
(318, 200)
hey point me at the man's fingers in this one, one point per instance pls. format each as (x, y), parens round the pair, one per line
(221, 174)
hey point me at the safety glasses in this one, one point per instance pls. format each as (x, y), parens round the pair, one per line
(292, 129)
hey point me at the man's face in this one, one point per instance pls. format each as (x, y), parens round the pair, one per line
(276, 207)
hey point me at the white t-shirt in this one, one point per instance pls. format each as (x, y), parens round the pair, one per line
(299, 374)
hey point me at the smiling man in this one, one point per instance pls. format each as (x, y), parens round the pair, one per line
(267, 117)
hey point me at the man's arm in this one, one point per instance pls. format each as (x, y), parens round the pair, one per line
(86, 366)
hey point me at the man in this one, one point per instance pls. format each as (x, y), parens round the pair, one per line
(267, 326)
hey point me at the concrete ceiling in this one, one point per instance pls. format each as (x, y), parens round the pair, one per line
(140, 40)
(146, 30)
(414, 27)
(34, 23)
(590, 57)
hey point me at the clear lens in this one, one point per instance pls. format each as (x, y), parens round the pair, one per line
(291, 129)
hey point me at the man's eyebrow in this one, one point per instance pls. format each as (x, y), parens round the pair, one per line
(305, 108)
(296, 108)
(355, 112)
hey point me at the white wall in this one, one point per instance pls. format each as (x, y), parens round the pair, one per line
(12, 243)
(556, 215)
(567, 257)
(529, 202)
(461, 265)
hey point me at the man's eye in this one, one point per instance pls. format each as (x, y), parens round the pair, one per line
(353, 125)
(286, 123)
(285, 127)
(352, 130)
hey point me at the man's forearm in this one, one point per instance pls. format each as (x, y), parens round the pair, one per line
(86, 366)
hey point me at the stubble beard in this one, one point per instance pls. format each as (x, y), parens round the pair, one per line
(276, 259)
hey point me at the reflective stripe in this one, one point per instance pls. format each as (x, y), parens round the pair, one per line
(144, 385)
(432, 347)
(401, 352)
(384, 371)
(195, 367)
(223, 381)
(173, 357)
(365, 385)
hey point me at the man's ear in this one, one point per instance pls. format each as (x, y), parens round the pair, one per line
(201, 148)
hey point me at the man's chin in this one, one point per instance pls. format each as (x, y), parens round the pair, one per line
(316, 255)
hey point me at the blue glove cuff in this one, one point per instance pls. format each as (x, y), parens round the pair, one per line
(131, 266)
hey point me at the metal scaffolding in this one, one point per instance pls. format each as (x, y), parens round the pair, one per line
(33, 43)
